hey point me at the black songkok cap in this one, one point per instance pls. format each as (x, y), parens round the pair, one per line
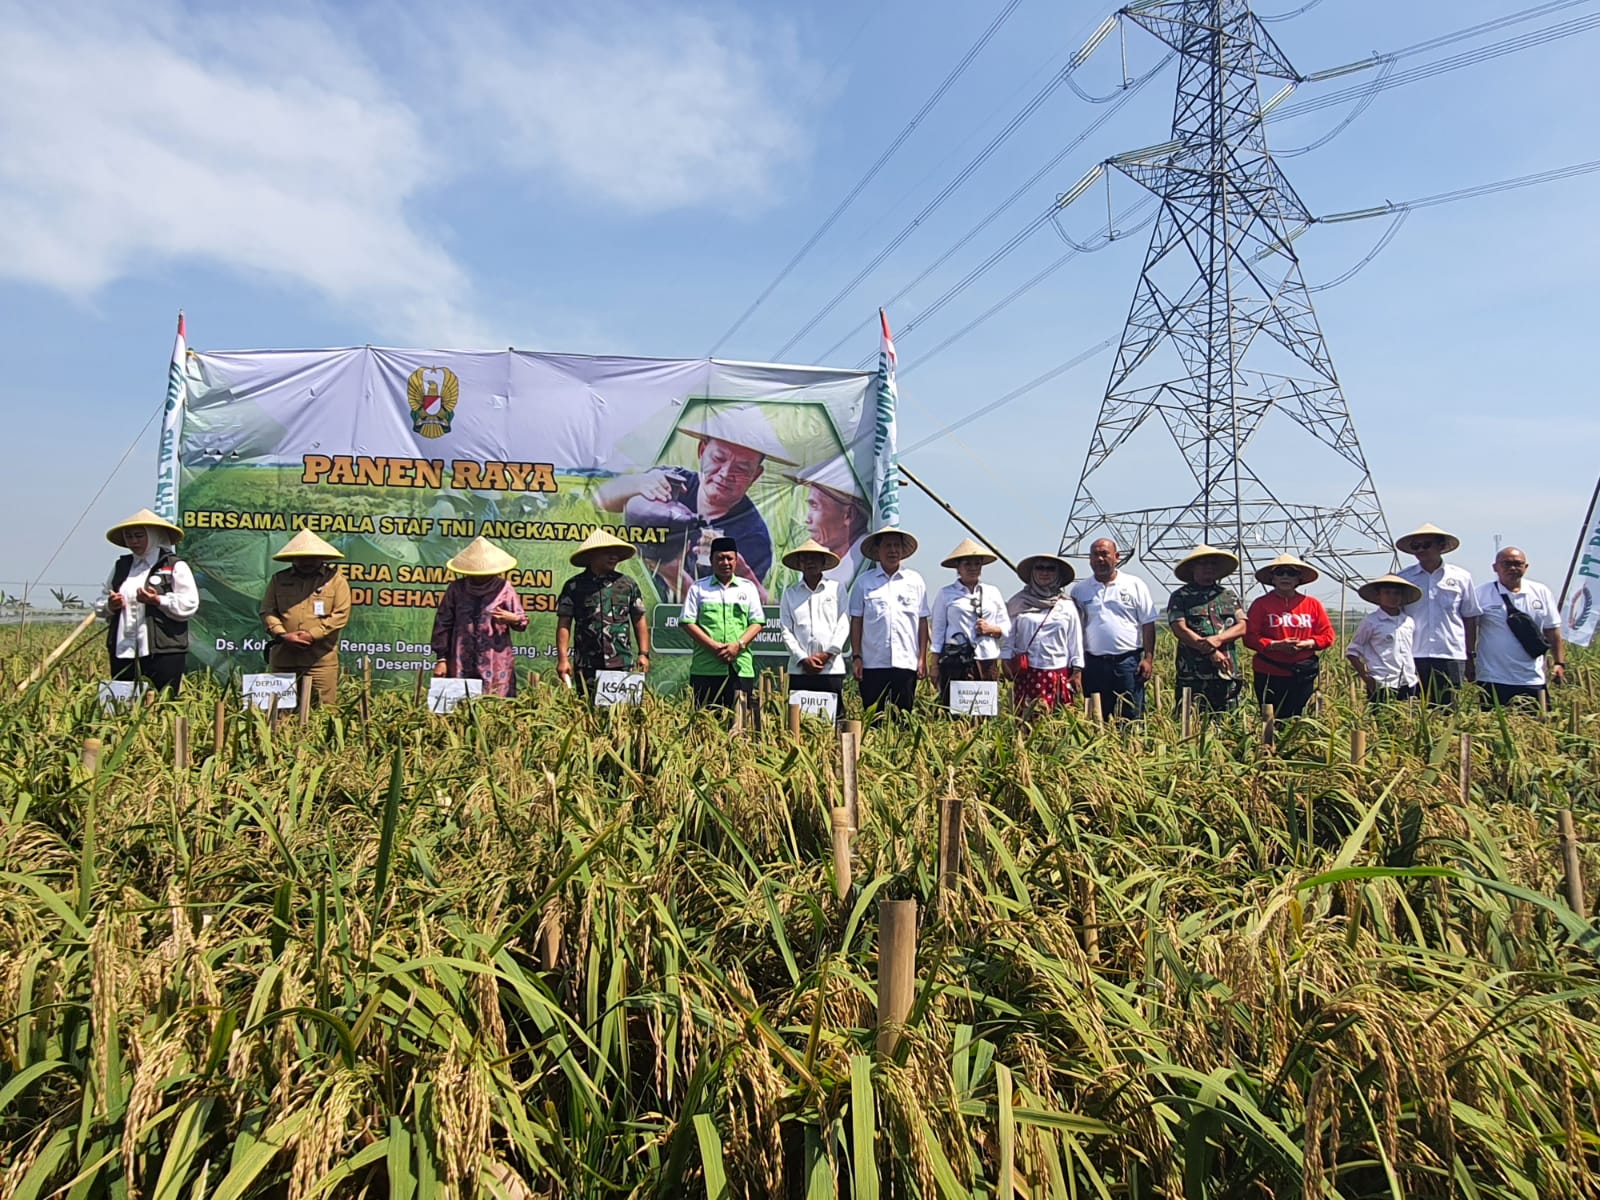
(718, 545)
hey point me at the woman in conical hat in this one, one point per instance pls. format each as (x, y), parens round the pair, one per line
(1287, 630)
(473, 623)
(306, 607)
(969, 621)
(1044, 649)
(147, 602)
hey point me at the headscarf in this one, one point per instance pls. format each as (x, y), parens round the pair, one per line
(1034, 598)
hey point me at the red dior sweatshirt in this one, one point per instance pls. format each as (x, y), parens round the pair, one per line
(1273, 619)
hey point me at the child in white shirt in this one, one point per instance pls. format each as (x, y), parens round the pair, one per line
(1380, 651)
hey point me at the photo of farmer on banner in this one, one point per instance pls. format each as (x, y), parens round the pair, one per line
(698, 506)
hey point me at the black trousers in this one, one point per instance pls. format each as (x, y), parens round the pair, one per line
(1440, 679)
(802, 682)
(718, 691)
(888, 687)
(1504, 695)
(1207, 695)
(1115, 678)
(1288, 694)
(163, 671)
(1385, 695)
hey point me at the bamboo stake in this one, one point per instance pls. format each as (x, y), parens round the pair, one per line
(50, 659)
(840, 821)
(849, 776)
(550, 935)
(219, 729)
(763, 698)
(1572, 864)
(421, 687)
(1575, 717)
(738, 713)
(1091, 918)
(1096, 713)
(859, 730)
(951, 841)
(180, 743)
(1358, 747)
(794, 721)
(91, 755)
(305, 700)
(897, 969)
(1186, 714)
(1269, 726)
(1465, 772)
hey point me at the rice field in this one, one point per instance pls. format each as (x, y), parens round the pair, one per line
(528, 950)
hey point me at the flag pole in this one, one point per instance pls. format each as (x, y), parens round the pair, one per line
(964, 523)
(1583, 536)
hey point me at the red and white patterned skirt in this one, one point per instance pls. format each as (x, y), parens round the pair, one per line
(1044, 687)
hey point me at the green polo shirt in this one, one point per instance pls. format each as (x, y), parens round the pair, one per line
(723, 611)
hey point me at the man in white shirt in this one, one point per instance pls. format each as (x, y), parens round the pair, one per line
(889, 614)
(1506, 670)
(1119, 632)
(1380, 653)
(813, 621)
(1446, 616)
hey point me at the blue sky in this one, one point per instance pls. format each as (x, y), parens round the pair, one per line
(627, 178)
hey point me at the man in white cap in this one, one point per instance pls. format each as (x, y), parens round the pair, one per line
(305, 607)
(889, 622)
(600, 609)
(1519, 627)
(701, 506)
(1446, 637)
(1119, 632)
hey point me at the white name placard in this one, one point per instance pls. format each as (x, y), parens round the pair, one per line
(268, 691)
(974, 698)
(613, 688)
(815, 704)
(120, 693)
(444, 693)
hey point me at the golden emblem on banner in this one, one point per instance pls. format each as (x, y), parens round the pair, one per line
(432, 393)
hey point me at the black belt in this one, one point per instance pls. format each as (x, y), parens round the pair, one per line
(1114, 657)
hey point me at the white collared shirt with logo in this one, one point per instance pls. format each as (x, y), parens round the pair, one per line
(1447, 598)
(813, 624)
(956, 613)
(1385, 644)
(1501, 658)
(1114, 613)
(890, 607)
(1052, 639)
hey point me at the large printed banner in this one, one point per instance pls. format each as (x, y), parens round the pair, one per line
(402, 457)
(1582, 590)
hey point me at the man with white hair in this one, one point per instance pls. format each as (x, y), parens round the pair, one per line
(1519, 628)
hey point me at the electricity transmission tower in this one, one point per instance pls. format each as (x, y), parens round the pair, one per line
(1221, 334)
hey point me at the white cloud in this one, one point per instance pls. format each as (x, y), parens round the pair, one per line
(282, 146)
(648, 109)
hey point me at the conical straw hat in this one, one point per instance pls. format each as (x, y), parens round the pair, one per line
(869, 544)
(834, 477)
(811, 546)
(1025, 568)
(1450, 540)
(743, 425)
(1185, 568)
(1369, 591)
(969, 549)
(600, 539)
(1308, 573)
(144, 517)
(481, 557)
(306, 544)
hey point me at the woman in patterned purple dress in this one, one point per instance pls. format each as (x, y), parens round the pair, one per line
(473, 623)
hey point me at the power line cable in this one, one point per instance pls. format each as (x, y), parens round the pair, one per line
(850, 197)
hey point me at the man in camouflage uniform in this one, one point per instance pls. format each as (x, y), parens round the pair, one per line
(601, 610)
(1207, 619)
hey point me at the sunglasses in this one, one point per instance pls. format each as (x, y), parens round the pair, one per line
(1285, 572)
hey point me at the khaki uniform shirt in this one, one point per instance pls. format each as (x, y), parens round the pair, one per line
(291, 605)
